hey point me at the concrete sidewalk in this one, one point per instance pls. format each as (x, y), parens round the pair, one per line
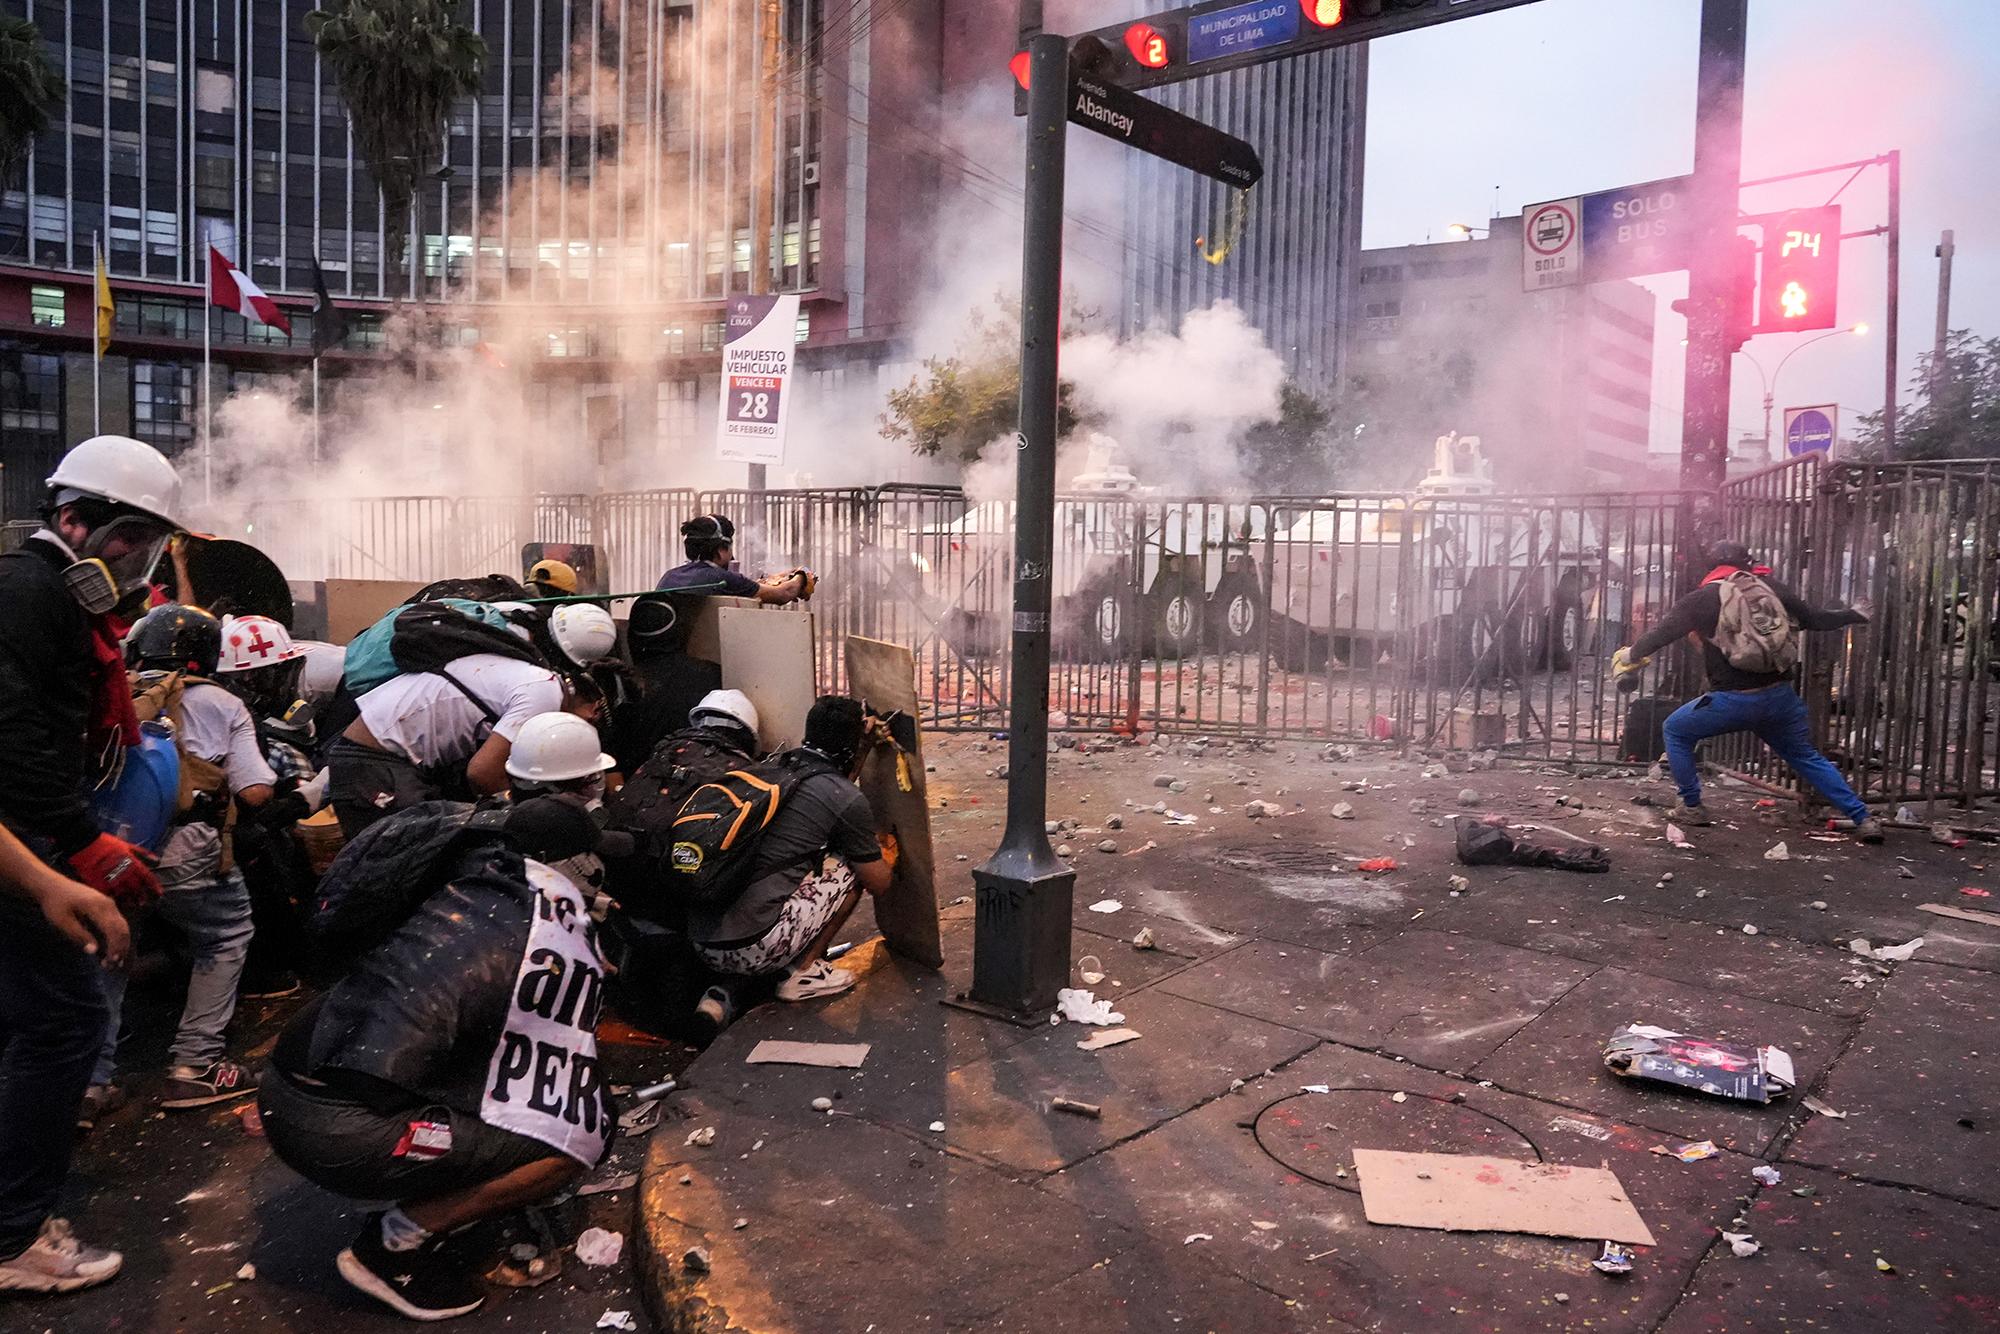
(1214, 1195)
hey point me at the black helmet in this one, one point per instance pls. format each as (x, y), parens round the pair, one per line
(706, 534)
(174, 638)
(1730, 553)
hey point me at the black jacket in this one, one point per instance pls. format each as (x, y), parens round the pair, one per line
(45, 675)
(1698, 613)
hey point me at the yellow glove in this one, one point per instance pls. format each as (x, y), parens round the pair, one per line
(1624, 664)
(808, 582)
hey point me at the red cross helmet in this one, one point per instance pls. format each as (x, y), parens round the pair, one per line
(250, 642)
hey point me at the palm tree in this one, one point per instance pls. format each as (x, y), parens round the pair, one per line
(400, 65)
(31, 87)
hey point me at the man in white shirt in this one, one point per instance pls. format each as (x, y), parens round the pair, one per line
(430, 736)
(204, 894)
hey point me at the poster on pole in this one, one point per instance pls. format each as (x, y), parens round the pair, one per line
(760, 333)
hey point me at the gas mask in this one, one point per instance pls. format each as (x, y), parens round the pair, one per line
(104, 584)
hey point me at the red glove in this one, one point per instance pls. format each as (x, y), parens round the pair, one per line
(119, 869)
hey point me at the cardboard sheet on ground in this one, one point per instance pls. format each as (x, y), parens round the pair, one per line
(767, 653)
(828, 1055)
(1458, 1192)
(884, 677)
(1962, 914)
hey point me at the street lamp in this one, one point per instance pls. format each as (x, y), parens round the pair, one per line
(1464, 231)
(1770, 382)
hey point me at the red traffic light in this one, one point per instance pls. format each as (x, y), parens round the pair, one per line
(1018, 67)
(1324, 13)
(1801, 279)
(1148, 46)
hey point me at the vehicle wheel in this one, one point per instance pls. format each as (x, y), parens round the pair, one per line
(1490, 645)
(1562, 633)
(1239, 611)
(1103, 622)
(1177, 608)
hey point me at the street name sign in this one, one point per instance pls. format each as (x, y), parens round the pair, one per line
(1165, 133)
(1810, 430)
(1240, 29)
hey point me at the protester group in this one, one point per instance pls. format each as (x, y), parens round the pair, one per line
(455, 840)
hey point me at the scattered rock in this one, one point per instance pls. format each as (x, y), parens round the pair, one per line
(822, 1104)
(1107, 845)
(1749, 930)
(702, 1138)
(1343, 811)
(1115, 822)
(1777, 852)
(1177, 786)
(1819, 905)
(1165, 780)
(1906, 873)
(1468, 796)
(1263, 810)
(740, 1224)
(1065, 850)
(1144, 940)
(695, 1259)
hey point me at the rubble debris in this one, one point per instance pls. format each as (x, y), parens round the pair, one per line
(695, 1259)
(1164, 780)
(598, 1248)
(1110, 1037)
(1905, 873)
(1887, 953)
(1816, 1106)
(1819, 905)
(1749, 930)
(1462, 1192)
(1947, 836)
(1767, 1174)
(1709, 1065)
(1263, 810)
(1777, 852)
(1065, 850)
(609, 1185)
(1114, 822)
(1107, 845)
(701, 1138)
(822, 1104)
(1193, 1237)
(1468, 796)
(1399, 1096)
(1695, 1152)
(740, 1224)
(1090, 1110)
(1883, 1266)
(1457, 884)
(248, 1273)
(1106, 906)
(640, 1119)
(1376, 864)
(937, 1127)
(1343, 811)
(1742, 1244)
(1145, 940)
(827, 1055)
(617, 1320)
(1081, 1007)
(1615, 1260)
(1973, 892)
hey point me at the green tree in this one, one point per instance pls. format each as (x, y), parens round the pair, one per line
(961, 403)
(1954, 414)
(1295, 453)
(31, 88)
(400, 65)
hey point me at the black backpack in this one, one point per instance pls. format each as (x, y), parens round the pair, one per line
(658, 788)
(387, 870)
(429, 637)
(715, 834)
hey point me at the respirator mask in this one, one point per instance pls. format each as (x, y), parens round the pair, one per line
(101, 583)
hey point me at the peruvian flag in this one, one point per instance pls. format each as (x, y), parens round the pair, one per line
(231, 288)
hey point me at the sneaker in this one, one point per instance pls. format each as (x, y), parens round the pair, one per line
(99, 1101)
(1867, 830)
(423, 1284)
(275, 987)
(188, 1087)
(716, 1008)
(58, 1262)
(819, 978)
(1682, 813)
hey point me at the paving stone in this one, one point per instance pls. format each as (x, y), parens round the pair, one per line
(902, 1236)
(1559, 1056)
(1817, 1270)
(1156, 1289)
(1583, 926)
(1922, 1062)
(1443, 1000)
(1000, 1109)
(1206, 1173)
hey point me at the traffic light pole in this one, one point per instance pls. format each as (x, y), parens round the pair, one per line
(1718, 163)
(1021, 937)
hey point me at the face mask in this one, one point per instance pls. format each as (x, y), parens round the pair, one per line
(102, 584)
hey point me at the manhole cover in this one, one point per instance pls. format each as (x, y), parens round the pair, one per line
(1279, 859)
(1315, 1134)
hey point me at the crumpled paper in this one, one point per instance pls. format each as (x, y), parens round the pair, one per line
(1081, 1007)
(598, 1248)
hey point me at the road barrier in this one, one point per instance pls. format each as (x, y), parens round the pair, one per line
(1471, 622)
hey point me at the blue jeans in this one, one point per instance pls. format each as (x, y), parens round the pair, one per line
(1778, 716)
(51, 1016)
(214, 914)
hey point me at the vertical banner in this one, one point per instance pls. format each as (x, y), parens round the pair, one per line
(760, 334)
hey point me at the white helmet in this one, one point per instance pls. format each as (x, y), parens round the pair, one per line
(518, 615)
(250, 642)
(555, 748)
(584, 632)
(726, 706)
(122, 470)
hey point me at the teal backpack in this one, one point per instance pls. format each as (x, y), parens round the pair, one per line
(428, 637)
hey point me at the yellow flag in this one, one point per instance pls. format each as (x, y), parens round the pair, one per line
(105, 310)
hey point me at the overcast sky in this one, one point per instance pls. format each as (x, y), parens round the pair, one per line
(1563, 97)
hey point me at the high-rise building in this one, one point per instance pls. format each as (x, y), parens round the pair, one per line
(1288, 259)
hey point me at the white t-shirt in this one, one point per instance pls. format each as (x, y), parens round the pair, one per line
(428, 720)
(215, 726)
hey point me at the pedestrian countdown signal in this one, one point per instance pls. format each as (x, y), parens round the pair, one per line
(1800, 285)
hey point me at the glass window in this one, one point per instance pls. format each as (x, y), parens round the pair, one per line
(163, 402)
(45, 306)
(803, 329)
(711, 336)
(679, 400)
(30, 392)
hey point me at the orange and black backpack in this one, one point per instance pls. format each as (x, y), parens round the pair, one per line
(714, 837)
